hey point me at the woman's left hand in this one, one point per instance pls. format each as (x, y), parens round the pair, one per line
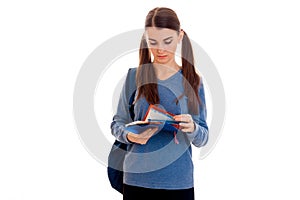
(186, 122)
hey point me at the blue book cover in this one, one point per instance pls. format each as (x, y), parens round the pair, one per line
(140, 127)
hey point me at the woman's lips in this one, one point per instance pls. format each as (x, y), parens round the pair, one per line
(162, 56)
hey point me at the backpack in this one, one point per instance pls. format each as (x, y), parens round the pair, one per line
(118, 151)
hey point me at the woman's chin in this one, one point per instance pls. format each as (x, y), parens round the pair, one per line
(161, 61)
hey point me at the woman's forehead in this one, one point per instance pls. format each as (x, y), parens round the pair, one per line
(159, 33)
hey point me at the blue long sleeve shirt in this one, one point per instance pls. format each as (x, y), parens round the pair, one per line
(162, 163)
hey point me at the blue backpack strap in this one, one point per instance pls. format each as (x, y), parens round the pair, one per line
(130, 85)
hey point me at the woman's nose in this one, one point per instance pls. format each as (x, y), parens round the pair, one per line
(161, 47)
(160, 50)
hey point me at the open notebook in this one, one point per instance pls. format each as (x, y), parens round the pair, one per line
(154, 117)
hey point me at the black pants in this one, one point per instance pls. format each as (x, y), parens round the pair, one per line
(138, 193)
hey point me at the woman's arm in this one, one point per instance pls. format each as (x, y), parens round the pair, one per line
(195, 128)
(199, 136)
(122, 116)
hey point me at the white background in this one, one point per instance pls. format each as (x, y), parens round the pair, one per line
(254, 45)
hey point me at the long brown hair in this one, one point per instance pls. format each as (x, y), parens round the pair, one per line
(146, 78)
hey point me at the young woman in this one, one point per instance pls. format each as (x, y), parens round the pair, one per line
(159, 162)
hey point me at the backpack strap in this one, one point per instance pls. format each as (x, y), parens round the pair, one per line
(131, 88)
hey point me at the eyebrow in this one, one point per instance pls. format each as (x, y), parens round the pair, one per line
(171, 37)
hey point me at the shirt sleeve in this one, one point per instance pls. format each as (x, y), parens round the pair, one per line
(121, 117)
(200, 135)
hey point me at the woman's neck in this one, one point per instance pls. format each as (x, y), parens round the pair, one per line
(165, 71)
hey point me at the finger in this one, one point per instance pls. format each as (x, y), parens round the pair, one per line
(178, 117)
(140, 138)
(185, 125)
(187, 130)
(152, 132)
(183, 118)
(148, 133)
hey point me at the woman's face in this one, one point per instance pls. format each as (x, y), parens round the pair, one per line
(162, 43)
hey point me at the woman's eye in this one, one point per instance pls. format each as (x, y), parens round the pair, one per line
(152, 43)
(168, 42)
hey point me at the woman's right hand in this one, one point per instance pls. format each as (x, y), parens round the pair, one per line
(143, 137)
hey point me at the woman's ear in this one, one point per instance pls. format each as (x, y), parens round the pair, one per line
(181, 34)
